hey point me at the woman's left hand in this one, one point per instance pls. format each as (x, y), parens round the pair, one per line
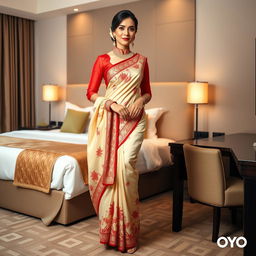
(136, 108)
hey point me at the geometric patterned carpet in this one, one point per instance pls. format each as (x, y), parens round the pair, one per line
(28, 236)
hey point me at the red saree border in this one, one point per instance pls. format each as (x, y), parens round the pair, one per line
(120, 62)
(110, 161)
(129, 127)
(107, 146)
(111, 146)
(105, 240)
(97, 195)
(120, 66)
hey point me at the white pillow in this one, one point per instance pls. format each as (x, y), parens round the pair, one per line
(69, 105)
(153, 114)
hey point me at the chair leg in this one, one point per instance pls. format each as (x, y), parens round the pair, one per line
(216, 223)
(233, 215)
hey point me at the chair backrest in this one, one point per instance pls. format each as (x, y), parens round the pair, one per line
(206, 175)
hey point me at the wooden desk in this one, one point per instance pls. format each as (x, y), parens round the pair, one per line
(243, 157)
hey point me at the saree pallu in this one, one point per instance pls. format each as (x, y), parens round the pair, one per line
(113, 146)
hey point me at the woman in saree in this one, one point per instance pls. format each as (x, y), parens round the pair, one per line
(116, 133)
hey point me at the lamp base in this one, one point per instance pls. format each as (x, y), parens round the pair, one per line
(54, 125)
(200, 134)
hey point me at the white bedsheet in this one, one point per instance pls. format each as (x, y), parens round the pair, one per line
(66, 175)
(154, 154)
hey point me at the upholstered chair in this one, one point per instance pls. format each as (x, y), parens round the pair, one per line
(207, 183)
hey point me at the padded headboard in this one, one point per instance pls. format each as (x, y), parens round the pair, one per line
(176, 123)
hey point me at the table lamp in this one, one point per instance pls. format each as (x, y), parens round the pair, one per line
(197, 93)
(50, 93)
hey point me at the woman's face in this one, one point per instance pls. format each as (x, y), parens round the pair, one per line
(125, 33)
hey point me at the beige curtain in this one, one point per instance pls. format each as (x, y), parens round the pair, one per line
(17, 93)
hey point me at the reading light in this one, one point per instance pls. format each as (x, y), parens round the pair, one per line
(197, 93)
(50, 93)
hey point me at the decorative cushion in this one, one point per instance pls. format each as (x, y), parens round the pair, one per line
(69, 105)
(75, 121)
(152, 115)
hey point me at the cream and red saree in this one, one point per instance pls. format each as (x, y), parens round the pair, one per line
(113, 146)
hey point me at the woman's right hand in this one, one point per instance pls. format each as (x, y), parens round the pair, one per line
(121, 110)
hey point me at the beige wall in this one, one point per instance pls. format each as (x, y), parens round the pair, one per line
(225, 56)
(51, 63)
(165, 35)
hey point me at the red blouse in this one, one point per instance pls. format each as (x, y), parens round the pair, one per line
(100, 69)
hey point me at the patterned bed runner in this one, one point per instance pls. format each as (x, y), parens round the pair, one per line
(34, 165)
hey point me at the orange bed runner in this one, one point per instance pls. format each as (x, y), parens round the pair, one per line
(34, 165)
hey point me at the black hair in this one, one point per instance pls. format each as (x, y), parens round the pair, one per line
(120, 16)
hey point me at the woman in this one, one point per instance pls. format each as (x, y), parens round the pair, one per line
(115, 135)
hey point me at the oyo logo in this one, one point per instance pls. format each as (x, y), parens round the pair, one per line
(223, 241)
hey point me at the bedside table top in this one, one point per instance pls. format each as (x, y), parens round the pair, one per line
(44, 128)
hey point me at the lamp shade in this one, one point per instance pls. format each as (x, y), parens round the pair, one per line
(50, 92)
(197, 92)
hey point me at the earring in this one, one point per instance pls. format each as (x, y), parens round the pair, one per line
(112, 37)
(114, 42)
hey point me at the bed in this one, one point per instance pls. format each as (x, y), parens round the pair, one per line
(66, 204)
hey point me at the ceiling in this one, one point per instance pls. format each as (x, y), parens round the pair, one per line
(42, 9)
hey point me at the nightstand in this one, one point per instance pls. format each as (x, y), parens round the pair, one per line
(46, 128)
(43, 128)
